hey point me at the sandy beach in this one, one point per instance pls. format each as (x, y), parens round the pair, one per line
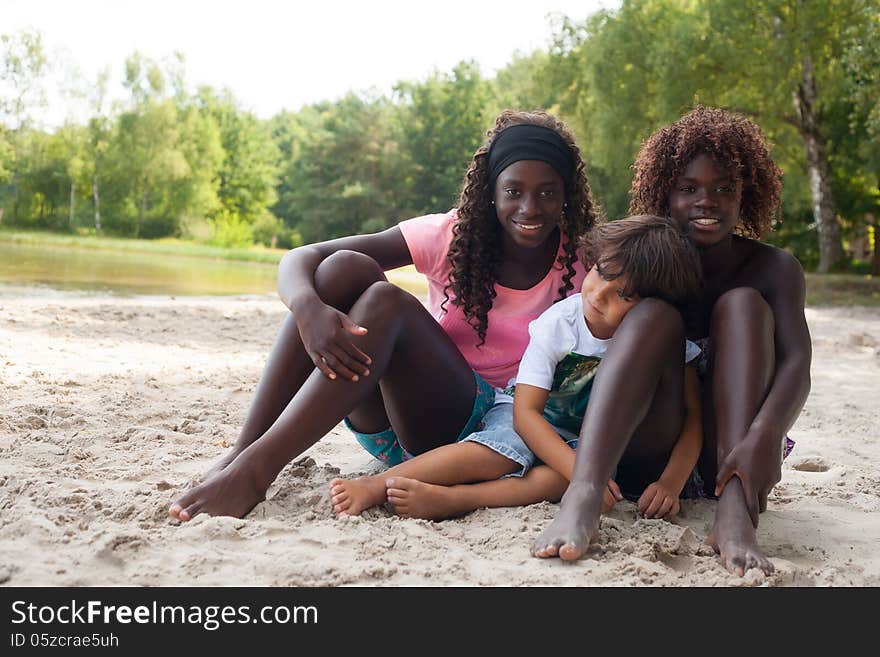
(109, 406)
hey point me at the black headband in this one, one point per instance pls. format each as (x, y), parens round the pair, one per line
(525, 141)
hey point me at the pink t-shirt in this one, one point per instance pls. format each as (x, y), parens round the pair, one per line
(428, 239)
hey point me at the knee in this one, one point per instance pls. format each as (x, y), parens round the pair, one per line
(654, 319)
(343, 276)
(742, 305)
(382, 300)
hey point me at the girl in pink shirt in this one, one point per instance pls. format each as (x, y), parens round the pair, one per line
(404, 378)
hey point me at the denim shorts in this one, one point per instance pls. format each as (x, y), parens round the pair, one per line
(386, 447)
(497, 433)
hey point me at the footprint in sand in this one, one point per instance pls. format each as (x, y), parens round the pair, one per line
(811, 464)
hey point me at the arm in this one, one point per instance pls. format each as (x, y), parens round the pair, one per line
(540, 437)
(661, 498)
(757, 459)
(325, 330)
(537, 433)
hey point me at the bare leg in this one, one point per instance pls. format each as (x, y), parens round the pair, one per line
(339, 280)
(404, 341)
(446, 465)
(742, 370)
(637, 405)
(416, 499)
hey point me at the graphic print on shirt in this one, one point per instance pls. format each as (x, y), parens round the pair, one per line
(572, 382)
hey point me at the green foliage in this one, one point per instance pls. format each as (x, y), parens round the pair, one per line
(270, 231)
(340, 172)
(248, 170)
(230, 230)
(442, 123)
(642, 66)
(22, 65)
(7, 156)
(199, 166)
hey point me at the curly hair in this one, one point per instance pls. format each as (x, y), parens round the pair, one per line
(733, 141)
(475, 253)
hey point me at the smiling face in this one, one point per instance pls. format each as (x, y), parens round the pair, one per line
(705, 201)
(604, 303)
(529, 195)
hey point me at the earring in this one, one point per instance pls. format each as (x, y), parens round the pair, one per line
(491, 202)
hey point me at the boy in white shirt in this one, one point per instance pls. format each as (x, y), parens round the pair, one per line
(538, 417)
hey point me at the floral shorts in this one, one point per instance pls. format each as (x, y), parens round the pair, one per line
(386, 447)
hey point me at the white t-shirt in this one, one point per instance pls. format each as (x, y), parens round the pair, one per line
(562, 357)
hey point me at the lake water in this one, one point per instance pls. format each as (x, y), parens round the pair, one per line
(94, 270)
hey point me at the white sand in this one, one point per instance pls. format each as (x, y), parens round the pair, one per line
(110, 405)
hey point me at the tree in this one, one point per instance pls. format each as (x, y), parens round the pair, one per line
(527, 82)
(22, 67)
(778, 61)
(341, 178)
(248, 171)
(792, 75)
(442, 122)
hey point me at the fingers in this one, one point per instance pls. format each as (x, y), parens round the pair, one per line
(666, 507)
(615, 490)
(655, 505)
(724, 475)
(351, 327)
(644, 500)
(345, 365)
(322, 365)
(336, 362)
(751, 497)
(762, 501)
(607, 501)
(751, 504)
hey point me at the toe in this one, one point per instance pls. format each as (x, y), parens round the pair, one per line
(190, 512)
(570, 552)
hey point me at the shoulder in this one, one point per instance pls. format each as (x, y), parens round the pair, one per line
(428, 238)
(770, 268)
(428, 224)
(559, 321)
(564, 311)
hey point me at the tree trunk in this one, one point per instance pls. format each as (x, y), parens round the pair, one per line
(97, 203)
(830, 248)
(72, 198)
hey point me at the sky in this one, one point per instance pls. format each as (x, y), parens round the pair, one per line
(275, 54)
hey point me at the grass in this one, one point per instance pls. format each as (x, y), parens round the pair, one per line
(164, 246)
(822, 290)
(843, 290)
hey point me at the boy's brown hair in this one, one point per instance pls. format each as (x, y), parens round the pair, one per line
(653, 253)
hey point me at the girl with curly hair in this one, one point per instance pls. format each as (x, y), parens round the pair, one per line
(405, 378)
(711, 171)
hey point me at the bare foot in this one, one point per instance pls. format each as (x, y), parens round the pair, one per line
(350, 497)
(733, 536)
(415, 499)
(574, 527)
(221, 464)
(234, 491)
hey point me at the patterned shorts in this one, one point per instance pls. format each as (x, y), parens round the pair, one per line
(386, 447)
